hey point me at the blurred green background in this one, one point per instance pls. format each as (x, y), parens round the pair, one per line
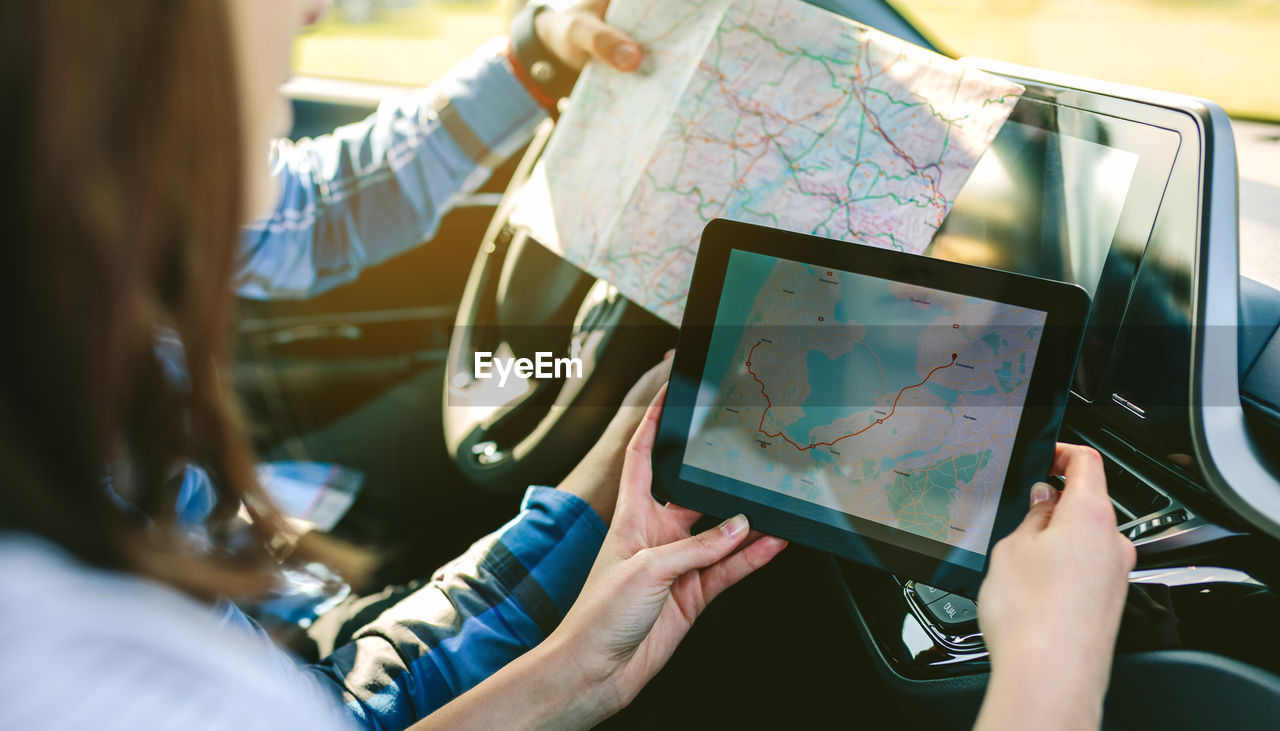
(398, 41)
(1225, 50)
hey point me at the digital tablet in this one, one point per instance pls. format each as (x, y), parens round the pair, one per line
(889, 408)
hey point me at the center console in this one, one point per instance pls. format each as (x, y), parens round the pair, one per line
(1132, 195)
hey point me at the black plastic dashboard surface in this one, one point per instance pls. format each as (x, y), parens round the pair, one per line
(1085, 177)
(1161, 376)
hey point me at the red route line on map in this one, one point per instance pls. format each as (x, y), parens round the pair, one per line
(769, 405)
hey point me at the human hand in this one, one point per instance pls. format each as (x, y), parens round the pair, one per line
(579, 33)
(1050, 606)
(596, 478)
(649, 583)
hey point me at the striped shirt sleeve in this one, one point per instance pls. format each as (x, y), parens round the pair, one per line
(489, 606)
(376, 188)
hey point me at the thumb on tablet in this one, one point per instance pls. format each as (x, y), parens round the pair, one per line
(1043, 499)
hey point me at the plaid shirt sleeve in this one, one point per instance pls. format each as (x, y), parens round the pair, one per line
(374, 189)
(484, 609)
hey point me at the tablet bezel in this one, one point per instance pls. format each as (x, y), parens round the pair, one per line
(1066, 308)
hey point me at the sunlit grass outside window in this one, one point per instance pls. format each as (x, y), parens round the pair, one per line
(398, 41)
(1227, 51)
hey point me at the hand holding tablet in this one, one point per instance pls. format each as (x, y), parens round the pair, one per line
(889, 408)
(1034, 604)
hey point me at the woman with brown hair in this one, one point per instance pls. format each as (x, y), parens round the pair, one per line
(128, 128)
(137, 122)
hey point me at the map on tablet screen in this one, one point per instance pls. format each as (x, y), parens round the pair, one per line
(887, 401)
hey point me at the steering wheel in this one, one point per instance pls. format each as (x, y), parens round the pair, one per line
(520, 300)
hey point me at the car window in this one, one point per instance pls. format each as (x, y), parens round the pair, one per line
(398, 41)
(1226, 51)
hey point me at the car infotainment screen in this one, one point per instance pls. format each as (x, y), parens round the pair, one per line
(870, 394)
(1067, 194)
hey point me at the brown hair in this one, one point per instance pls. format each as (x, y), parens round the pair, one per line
(120, 186)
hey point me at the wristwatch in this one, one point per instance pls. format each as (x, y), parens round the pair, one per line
(534, 63)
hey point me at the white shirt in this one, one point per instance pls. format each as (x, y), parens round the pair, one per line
(85, 648)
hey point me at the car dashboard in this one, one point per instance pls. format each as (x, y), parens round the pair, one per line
(1133, 195)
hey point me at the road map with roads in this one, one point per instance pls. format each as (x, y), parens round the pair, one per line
(886, 401)
(773, 112)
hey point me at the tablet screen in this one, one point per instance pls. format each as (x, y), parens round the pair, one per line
(863, 397)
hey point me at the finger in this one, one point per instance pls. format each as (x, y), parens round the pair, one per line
(753, 535)
(591, 35)
(699, 551)
(647, 386)
(637, 469)
(739, 565)
(1043, 498)
(1081, 464)
(1086, 481)
(624, 423)
(642, 440)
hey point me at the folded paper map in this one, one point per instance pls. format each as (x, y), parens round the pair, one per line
(767, 111)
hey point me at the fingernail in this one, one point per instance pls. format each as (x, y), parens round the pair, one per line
(626, 55)
(734, 526)
(1040, 492)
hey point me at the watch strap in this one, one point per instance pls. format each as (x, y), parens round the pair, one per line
(541, 66)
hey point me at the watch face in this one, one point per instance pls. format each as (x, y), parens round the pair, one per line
(542, 72)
